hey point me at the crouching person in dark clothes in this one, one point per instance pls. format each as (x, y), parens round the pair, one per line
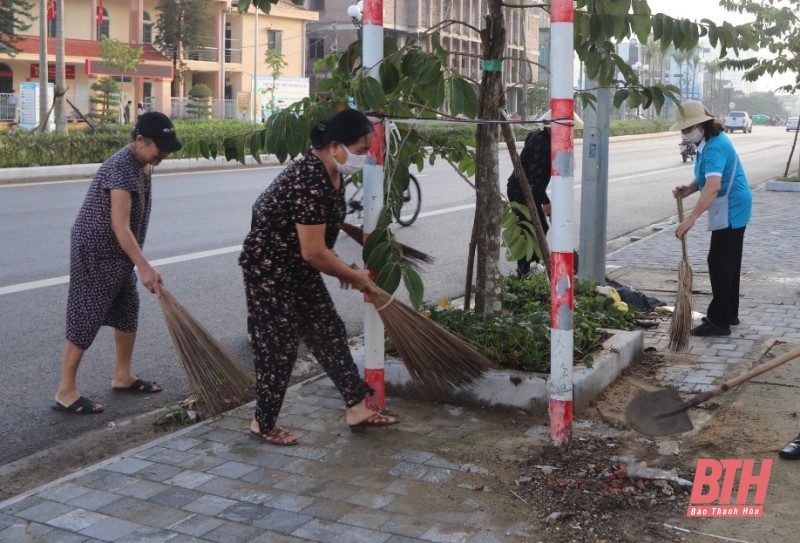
(106, 242)
(290, 245)
(535, 158)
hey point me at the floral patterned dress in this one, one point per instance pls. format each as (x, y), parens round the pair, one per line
(102, 285)
(286, 297)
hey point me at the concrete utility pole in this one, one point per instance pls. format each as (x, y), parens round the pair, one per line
(594, 189)
(562, 260)
(372, 54)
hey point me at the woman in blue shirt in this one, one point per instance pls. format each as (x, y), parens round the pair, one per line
(718, 173)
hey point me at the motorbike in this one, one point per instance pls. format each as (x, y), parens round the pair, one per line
(688, 150)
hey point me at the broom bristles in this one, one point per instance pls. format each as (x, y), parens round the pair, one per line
(680, 328)
(411, 256)
(435, 358)
(219, 380)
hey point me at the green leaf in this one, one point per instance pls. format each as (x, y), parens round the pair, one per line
(229, 145)
(204, 149)
(390, 77)
(434, 92)
(240, 149)
(431, 72)
(658, 28)
(666, 35)
(595, 27)
(373, 94)
(389, 277)
(620, 96)
(469, 96)
(255, 146)
(414, 286)
(375, 238)
(378, 257)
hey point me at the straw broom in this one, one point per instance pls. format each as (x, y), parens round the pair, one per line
(411, 256)
(434, 357)
(680, 328)
(218, 379)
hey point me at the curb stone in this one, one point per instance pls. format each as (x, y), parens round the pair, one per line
(529, 391)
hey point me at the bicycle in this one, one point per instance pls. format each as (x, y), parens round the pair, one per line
(412, 200)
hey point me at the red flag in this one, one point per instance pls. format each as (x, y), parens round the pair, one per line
(51, 10)
(99, 12)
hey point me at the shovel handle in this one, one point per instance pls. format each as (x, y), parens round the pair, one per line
(679, 199)
(755, 372)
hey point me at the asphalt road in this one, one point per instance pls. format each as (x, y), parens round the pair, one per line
(199, 220)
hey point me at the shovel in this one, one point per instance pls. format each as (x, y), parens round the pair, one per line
(663, 412)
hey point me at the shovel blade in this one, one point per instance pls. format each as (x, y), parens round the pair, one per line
(647, 413)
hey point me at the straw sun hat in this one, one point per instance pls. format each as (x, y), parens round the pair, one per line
(694, 112)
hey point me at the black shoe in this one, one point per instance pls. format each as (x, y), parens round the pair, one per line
(733, 322)
(792, 450)
(709, 329)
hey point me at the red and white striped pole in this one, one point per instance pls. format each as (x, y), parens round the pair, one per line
(562, 175)
(372, 54)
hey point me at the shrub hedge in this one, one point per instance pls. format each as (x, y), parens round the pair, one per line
(19, 148)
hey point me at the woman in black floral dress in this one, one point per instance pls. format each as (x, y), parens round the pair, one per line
(106, 242)
(290, 245)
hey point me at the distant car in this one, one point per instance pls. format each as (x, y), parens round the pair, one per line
(761, 119)
(738, 120)
(791, 124)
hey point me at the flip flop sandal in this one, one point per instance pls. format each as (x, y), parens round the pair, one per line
(376, 420)
(139, 386)
(277, 436)
(81, 406)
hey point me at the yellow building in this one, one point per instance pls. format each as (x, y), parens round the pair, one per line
(234, 51)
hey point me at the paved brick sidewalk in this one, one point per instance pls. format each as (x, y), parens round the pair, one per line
(210, 482)
(770, 303)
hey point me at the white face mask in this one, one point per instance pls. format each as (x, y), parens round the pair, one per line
(353, 164)
(695, 136)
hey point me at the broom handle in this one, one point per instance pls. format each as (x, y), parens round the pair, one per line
(679, 199)
(736, 381)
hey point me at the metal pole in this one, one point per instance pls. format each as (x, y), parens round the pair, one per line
(594, 189)
(372, 54)
(561, 284)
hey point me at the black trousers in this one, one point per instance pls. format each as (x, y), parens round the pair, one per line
(724, 270)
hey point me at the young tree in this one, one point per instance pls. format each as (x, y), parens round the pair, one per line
(414, 82)
(181, 25)
(276, 62)
(15, 18)
(105, 102)
(199, 106)
(121, 56)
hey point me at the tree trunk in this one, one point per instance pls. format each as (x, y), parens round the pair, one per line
(488, 209)
(60, 110)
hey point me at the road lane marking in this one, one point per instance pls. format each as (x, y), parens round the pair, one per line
(64, 279)
(42, 283)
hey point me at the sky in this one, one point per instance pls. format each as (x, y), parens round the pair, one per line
(710, 9)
